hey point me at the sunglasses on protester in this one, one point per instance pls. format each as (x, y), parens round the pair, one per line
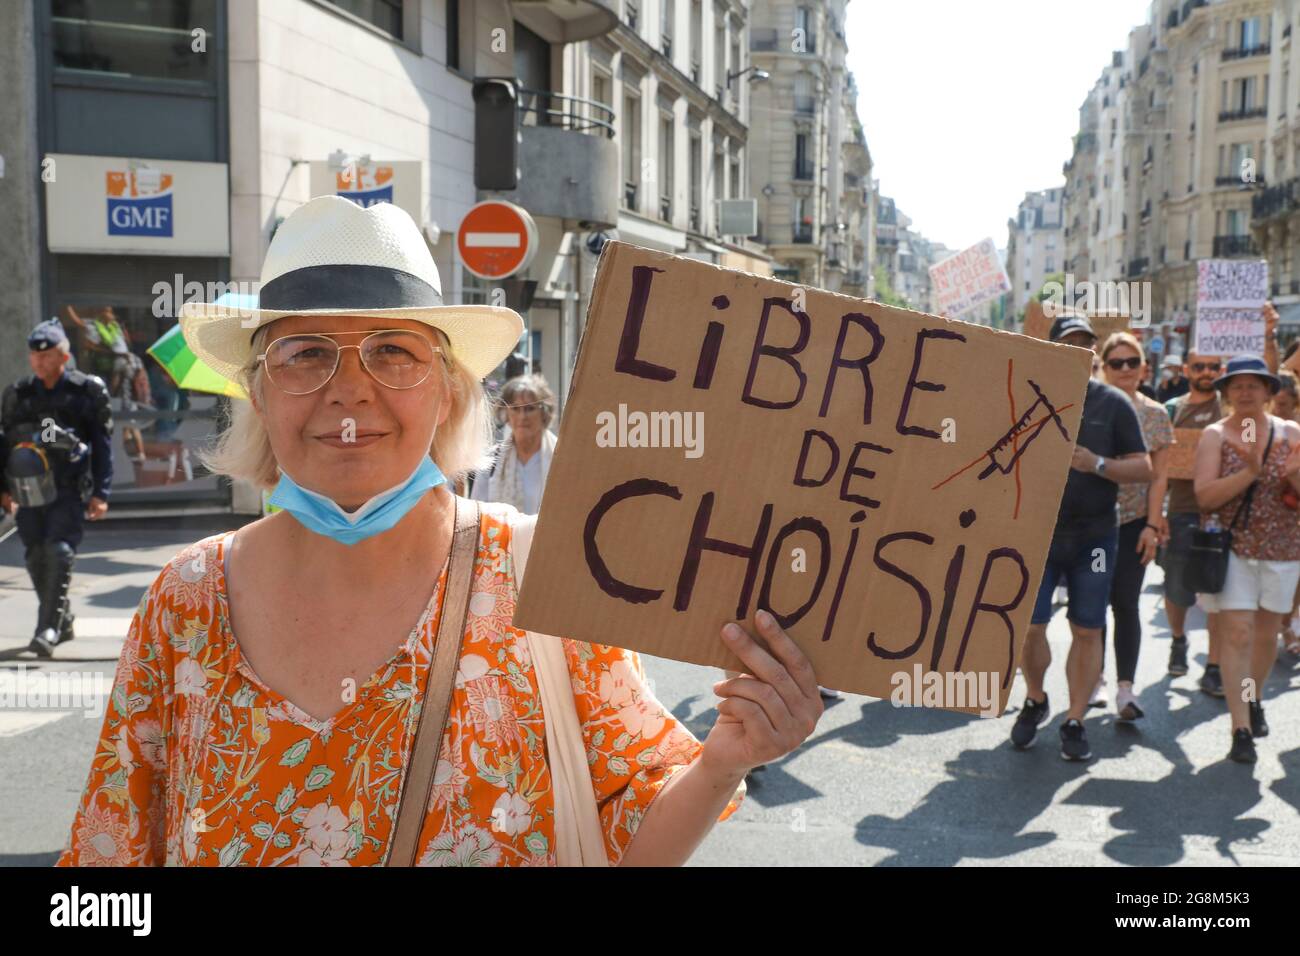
(1206, 366)
(1116, 364)
(303, 363)
(530, 407)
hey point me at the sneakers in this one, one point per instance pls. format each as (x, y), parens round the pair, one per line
(1126, 705)
(1178, 656)
(1027, 722)
(1243, 747)
(1258, 725)
(43, 643)
(1099, 698)
(1074, 741)
(1212, 681)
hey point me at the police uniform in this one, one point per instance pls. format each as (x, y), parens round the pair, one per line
(56, 454)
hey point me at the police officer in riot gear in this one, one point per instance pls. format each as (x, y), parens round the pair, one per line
(55, 426)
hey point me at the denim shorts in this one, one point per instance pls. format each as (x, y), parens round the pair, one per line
(1087, 565)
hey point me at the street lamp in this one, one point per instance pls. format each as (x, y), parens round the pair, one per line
(759, 76)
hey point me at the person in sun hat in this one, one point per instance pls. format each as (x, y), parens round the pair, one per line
(1245, 465)
(281, 678)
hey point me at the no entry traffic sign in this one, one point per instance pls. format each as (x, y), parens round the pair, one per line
(496, 239)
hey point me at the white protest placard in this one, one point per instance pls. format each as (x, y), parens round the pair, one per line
(1230, 297)
(969, 279)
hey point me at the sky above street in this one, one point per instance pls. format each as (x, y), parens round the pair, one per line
(967, 105)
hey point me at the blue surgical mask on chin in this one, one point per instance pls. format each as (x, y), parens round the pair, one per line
(320, 514)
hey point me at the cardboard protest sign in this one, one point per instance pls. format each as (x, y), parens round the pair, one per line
(1107, 325)
(969, 279)
(1182, 453)
(883, 481)
(1230, 297)
(1037, 324)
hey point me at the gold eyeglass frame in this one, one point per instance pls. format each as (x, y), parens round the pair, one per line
(338, 358)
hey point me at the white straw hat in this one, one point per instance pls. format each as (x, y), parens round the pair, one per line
(332, 257)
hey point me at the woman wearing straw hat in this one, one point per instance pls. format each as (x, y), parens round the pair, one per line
(340, 683)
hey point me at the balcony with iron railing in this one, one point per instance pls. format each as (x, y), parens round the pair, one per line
(1242, 52)
(1238, 181)
(1279, 200)
(1245, 113)
(569, 157)
(802, 233)
(1226, 247)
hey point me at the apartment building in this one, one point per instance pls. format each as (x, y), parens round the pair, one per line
(1170, 154)
(632, 124)
(1035, 244)
(1275, 210)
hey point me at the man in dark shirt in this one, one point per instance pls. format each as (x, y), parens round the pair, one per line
(1109, 450)
(1195, 410)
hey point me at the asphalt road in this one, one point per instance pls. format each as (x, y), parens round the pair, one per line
(876, 784)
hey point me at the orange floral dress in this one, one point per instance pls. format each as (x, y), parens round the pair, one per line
(200, 763)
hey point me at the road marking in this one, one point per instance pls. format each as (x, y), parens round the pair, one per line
(15, 722)
(102, 626)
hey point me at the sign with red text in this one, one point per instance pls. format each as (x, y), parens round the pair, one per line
(968, 280)
(884, 482)
(1230, 297)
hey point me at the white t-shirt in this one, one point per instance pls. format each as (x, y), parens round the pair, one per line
(530, 482)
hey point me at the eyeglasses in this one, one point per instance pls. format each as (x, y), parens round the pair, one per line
(304, 363)
(530, 407)
(1206, 366)
(1134, 361)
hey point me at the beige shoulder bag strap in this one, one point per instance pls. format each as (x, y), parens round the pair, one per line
(579, 838)
(413, 804)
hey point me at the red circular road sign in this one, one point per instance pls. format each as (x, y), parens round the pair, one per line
(496, 239)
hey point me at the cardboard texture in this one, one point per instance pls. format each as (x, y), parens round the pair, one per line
(969, 279)
(1037, 324)
(1182, 453)
(1038, 321)
(1107, 325)
(884, 481)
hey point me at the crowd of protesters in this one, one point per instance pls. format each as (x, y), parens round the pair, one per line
(1227, 536)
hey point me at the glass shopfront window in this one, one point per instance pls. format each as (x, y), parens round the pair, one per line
(145, 39)
(159, 428)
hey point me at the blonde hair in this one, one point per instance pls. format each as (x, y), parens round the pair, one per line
(1116, 339)
(460, 444)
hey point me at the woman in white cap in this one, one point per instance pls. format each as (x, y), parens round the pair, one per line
(340, 683)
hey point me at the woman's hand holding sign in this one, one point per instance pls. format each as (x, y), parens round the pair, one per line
(769, 711)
